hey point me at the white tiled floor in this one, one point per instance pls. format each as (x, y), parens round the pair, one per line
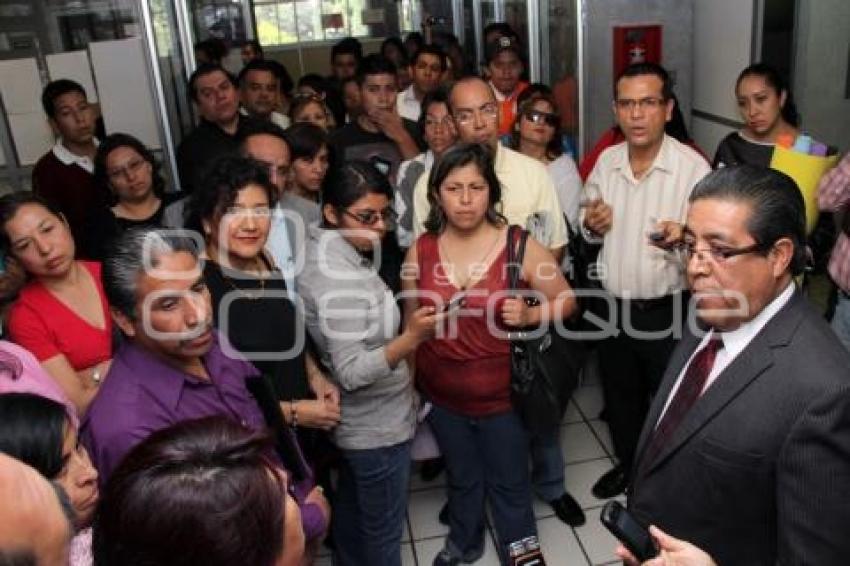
(587, 449)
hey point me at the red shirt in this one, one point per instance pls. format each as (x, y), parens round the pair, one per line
(468, 373)
(46, 326)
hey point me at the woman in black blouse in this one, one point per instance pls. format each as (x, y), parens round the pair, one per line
(129, 171)
(251, 304)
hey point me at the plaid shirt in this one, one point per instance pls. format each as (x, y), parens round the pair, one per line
(834, 195)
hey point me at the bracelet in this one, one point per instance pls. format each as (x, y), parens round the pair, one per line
(293, 415)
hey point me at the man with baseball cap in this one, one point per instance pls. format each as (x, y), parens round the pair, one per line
(504, 66)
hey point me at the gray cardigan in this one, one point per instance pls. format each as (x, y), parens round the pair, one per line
(351, 315)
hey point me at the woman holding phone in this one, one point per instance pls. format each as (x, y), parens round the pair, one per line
(465, 370)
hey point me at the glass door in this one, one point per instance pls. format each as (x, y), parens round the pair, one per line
(103, 45)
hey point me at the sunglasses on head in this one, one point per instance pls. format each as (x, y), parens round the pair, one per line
(539, 117)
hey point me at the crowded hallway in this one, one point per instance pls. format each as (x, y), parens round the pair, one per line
(406, 288)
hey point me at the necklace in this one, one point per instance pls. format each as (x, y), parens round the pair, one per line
(472, 269)
(248, 294)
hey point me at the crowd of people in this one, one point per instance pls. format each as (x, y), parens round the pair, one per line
(234, 368)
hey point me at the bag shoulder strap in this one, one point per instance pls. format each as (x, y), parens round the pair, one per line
(516, 254)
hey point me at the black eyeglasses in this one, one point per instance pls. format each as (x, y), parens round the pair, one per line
(371, 217)
(718, 254)
(538, 116)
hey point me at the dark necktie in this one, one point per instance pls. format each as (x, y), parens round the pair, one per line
(689, 391)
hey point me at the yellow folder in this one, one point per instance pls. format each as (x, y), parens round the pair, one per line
(806, 170)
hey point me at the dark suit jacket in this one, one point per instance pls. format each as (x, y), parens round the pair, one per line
(758, 472)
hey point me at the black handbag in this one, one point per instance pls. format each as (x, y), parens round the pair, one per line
(544, 366)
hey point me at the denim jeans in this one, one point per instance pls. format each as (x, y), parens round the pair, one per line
(547, 464)
(371, 501)
(486, 457)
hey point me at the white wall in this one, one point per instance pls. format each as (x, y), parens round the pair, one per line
(676, 17)
(722, 49)
(821, 68)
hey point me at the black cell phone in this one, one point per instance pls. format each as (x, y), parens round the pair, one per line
(634, 536)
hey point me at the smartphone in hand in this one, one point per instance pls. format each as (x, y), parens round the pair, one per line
(634, 536)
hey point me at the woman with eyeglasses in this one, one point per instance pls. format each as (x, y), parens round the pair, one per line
(313, 109)
(439, 132)
(537, 134)
(353, 318)
(130, 173)
(61, 314)
(310, 157)
(459, 267)
(252, 308)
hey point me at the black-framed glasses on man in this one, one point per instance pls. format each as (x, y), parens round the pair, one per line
(718, 254)
(648, 103)
(371, 217)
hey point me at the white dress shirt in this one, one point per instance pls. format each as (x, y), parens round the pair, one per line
(629, 266)
(408, 105)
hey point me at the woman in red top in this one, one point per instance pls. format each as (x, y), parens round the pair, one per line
(61, 314)
(458, 266)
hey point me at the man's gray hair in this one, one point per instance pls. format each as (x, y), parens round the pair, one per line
(134, 252)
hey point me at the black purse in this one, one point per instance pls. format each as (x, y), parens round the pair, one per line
(544, 366)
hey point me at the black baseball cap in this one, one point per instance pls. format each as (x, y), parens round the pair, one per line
(500, 44)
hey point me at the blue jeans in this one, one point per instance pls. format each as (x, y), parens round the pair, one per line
(371, 501)
(547, 469)
(486, 457)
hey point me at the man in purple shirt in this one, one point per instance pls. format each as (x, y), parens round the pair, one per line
(171, 367)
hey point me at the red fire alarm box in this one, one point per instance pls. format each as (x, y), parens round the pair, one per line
(636, 44)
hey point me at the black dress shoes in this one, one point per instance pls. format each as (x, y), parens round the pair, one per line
(612, 483)
(568, 510)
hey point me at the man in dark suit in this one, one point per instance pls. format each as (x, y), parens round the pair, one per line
(746, 449)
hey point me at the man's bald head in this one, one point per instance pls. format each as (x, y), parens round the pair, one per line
(35, 528)
(475, 111)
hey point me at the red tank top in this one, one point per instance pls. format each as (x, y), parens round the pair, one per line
(468, 370)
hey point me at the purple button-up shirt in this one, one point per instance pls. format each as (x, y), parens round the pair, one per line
(142, 394)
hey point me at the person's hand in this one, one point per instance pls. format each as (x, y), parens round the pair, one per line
(390, 123)
(317, 497)
(598, 217)
(515, 312)
(317, 414)
(666, 234)
(423, 323)
(674, 552)
(324, 389)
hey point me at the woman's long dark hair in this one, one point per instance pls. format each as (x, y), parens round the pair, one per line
(776, 81)
(455, 157)
(32, 430)
(112, 142)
